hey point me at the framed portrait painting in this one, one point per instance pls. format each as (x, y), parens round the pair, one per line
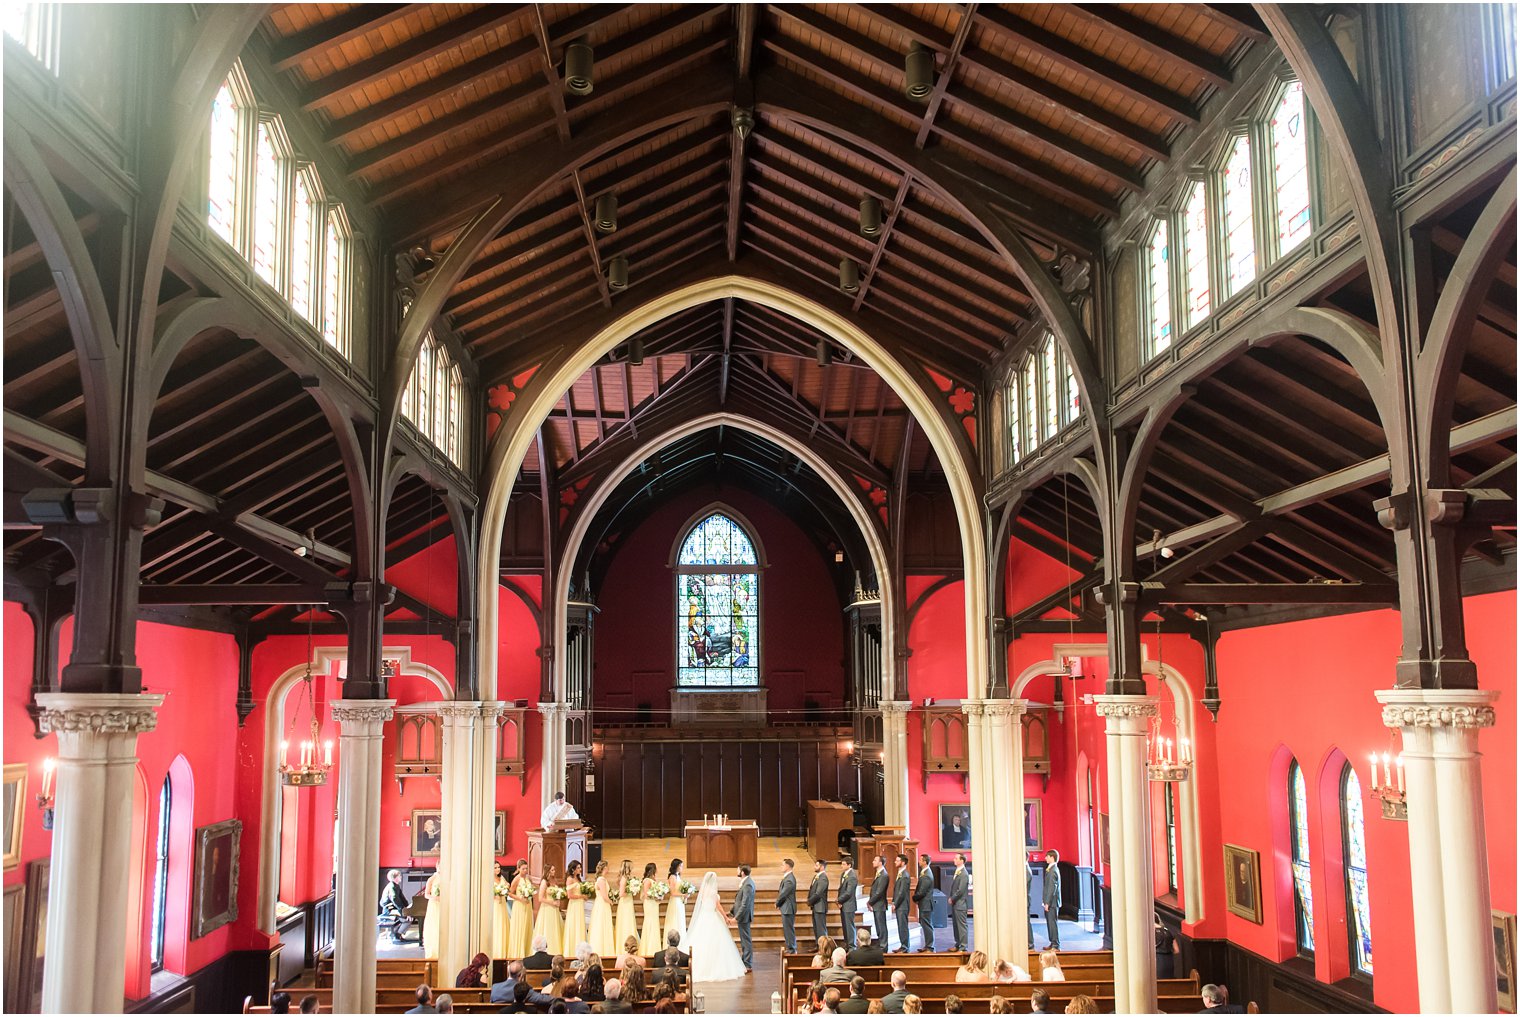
(33, 936)
(14, 803)
(216, 876)
(15, 917)
(1242, 880)
(955, 827)
(427, 833)
(499, 841)
(1034, 834)
(1103, 838)
(1504, 959)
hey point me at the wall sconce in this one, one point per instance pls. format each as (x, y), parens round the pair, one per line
(1391, 798)
(45, 796)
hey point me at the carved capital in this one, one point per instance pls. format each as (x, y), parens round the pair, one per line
(459, 709)
(974, 707)
(1006, 707)
(97, 713)
(1467, 709)
(357, 713)
(1127, 707)
(552, 710)
(898, 706)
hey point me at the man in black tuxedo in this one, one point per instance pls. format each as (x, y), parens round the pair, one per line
(670, 972)
(818, 898)
(673, 942)
(923, 896)
(866, 953)
(786, 903)
(1053, 898)
(848, 884)
(900, 897)
(960, 902)
(878, 900)
(540, 959)
(393, 905)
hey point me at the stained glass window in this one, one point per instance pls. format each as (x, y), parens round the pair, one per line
(1073, 394)
(1303, 890)
(160, 877)
(718, 606)
(1195, 252)
(1015, 438)
(268, 204)
(453, 444)
(1239, 235)
(303, 243)
(1357, 907)
(335, 282)
(1171, 839)
(1029, 382)
(1160, 289)
(1050, 377)
(424, 370)
(222, 183)
(442, 394)
(35, 26)
(1290, 169)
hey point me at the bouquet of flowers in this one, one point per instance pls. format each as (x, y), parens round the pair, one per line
(526, 889)
(612, 895)
(631, 885)
(434, 891)
(502, 890)
(685, 888)
(588, 889)
(659, 891)
(558, 893)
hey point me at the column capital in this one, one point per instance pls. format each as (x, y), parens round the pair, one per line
(554, 709)
(1005, 707)
(1437, 708)
(459, 709)
(1127, 707)
(897, 706)
(974, 707)
(361, 716)
(97, 712)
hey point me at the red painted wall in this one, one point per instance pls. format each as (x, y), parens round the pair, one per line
(802, 655)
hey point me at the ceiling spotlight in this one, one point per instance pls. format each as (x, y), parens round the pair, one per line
(606, 213)
(918, 73)
(617, 274)
(578, 62)
(849, 276)
(635, 351)
(824, 353)
(870, 216)
(743, 120)
(838, 557)
(1167, 552)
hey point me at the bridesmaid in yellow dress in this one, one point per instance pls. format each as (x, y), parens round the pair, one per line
(649, 941)
(627, 918)
(675, 904)
(520, 933)
(575, 909)
(549, 924)
(433, 919)
(602, 935)
(500, 921)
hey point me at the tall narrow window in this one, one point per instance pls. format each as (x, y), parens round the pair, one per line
(1303, 890)
(424, 369)
(160, 877)
(303, 243)
(268, 204)
(1160, 289)
(1029, 385)
(1359, 927)
(1195, 252)
(1239, 235)
(454, 447)
(222, 182)
(441, 394)
(1171, 839)
(718, 606)
(1073, 394)
(1290, 169)
(1015, 436)
(1093, 857)
(335, 282)
(1049, 379)
(1499, 32)
(35, 26)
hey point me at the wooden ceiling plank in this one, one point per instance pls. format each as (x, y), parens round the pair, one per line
(334, 32)
(1162, 45)
(1240, 18)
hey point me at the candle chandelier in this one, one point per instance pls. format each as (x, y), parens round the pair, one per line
(309, 768)
(1170, 760)
(1389, 789)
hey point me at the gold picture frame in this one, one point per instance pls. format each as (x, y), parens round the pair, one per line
(1242, 881)
(15, 812)
(1504, 959)
(427, 833)
(216, 876)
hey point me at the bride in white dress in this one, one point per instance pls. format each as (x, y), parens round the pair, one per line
(714, 955)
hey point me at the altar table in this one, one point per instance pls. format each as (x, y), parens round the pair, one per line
(709, 847)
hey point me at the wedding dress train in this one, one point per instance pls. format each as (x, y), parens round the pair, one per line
(714, 955)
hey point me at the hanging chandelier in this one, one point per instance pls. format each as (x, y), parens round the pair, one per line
(1169, 759)
(310, 769)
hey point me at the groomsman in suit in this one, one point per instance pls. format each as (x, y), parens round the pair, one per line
(786, 903)
(900, 897)
(878, 901)
(743, 914)
(923, 896)
(818, 899)
(1053, 898)
(960, 902)
(848, 883)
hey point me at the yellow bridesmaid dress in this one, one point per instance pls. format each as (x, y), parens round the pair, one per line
(500, 917)
(549, 925)
(675, 911)
(650, 942)
(627, 917)
(602, 936)
(433, 921)
(520, 932)
(575, 919)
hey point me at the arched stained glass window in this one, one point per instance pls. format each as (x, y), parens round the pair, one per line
(1290, 169)
(1239, 226)
(222, 183)
(1303, 890)
(1160, 288)
(1195, 252)
(1359, 928)
(718, 606)
(268, 203)
(1171, 839)
(335, 281)
(1073, 394)
(303, 247)
(160, 877)
(1015, 438)
(1050, 373)
(1029, 386)
(35, 26)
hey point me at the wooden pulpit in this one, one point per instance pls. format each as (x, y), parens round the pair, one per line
(556, 847)
(825, 822)
(889, 842)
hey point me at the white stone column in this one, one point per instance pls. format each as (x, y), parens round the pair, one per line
(459, 855)
(552, 779)
(1454, 956)
(92, 824)
(894, 761)
(990, 877)
(1004, 731)
(1128, 726)
(361, 726)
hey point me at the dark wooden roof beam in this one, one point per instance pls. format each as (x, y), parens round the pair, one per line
(1159, 43)
(1269, 593)
(334, 32)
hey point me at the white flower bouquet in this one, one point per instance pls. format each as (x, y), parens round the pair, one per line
(685, 888)
(526, 889)
(588, 889)
(558, 893)
(659, 891)
(631, 885)
(502, 890)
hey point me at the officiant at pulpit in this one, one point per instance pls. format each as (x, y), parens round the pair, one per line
(560, 841)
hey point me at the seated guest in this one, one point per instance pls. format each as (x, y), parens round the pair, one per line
(830, 1001)
(279, 1003)
(630, 951)
(670, 973)
(473, 974)
(876, 1007)
(504, 990)
(857, 1003)
(814, 1001)
(953, 1004)
(424, 1001)
(892, 1002)
(540, 958)
(592, 980)
(559, 1006)
(1081, 1003)
(1039, 1001)
(665, 1006)
(865, 952)
(673, 942)
(998, 1004)
(526, 1000)
(1216, 999)
(975, 969)
(614, 1003)
(557, 971)
(663, 994)
(582, 951)
(309, 1003)
(836, 971)
(912, 1004)
(825, 951)
(569, 993)
(1050, 967)
(445, 1003)
(1005, 973)
(633, 982)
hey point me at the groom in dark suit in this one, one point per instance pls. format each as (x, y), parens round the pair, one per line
(1052, 900)
(960, 901)
(786, 903)
(848, 884)
(878, 901)
(818, 899)
(900, 897)
(923, 896)
(743, 914)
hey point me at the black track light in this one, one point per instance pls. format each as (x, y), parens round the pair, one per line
(617, 274)
(606, 213)
(578, 62)
(635, 351)
(849, 276)
(870, 216)
(825, 354)
(918, 73)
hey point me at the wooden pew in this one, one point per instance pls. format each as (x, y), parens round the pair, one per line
(798, 972)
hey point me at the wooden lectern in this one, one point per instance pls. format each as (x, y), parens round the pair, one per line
(826, 821)
(889, 842)
(556, 847)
